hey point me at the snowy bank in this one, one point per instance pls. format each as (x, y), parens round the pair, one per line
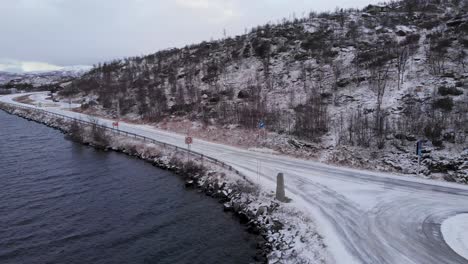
(455, 232)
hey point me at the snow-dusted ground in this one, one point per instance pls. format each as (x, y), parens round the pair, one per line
(455, 232)
(365, 217)
(41, 100)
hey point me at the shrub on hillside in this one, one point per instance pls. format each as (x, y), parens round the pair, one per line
(445, 104)
(444, 91)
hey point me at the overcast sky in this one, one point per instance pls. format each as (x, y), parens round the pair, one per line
(46, 34)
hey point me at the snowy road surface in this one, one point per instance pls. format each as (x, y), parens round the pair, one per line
(365, 217)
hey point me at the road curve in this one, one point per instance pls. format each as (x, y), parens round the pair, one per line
(365, 217)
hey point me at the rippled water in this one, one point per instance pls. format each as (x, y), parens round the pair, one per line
(61, 202)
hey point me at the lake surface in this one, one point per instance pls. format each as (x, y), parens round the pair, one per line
(62, 202)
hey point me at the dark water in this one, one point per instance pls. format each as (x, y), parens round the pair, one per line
(61, 202)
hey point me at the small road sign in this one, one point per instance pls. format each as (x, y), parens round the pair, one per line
(261, 125)
(115, 124)
(419, 147)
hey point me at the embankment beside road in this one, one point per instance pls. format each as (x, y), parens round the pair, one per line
(284, 235)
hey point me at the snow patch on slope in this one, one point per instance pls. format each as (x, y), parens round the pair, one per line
(263, 150)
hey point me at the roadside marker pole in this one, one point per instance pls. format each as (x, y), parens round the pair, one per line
(261, 127)
(419, 153)
(419, 165)
(188, 141)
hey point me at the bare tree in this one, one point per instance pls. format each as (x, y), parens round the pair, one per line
(312, 118)
(337, 68)
(358, 129)
(461, 56)
(436, 53)
(379, 69)
(402, 59)
(379, 78)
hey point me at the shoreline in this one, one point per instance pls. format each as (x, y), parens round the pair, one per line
(254, 209)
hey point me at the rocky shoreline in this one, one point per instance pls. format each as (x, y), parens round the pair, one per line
(276, 240)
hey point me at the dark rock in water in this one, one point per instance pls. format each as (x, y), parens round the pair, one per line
(253, 229)
(227, 207)
(236, 207)
(221, 196)
(243, 218)
(189, 183)
(261, 243)
(264, 234)
(205, 185)
(209, 192)
(261, 258)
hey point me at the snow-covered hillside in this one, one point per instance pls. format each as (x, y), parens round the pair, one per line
(355, 87)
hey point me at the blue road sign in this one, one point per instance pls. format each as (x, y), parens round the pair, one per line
(419, 148)
(261, 125)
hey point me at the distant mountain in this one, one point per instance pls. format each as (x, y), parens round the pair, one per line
(37, 79)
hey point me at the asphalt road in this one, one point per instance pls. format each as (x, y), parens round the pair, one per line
(365, 217)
